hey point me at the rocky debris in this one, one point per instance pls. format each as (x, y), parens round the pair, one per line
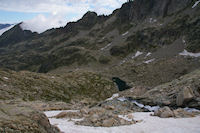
(105, 115)
(17, 118)
(74, 115)
(104, 120)
(181, 113)
(134, 91)
(121, 106)
(182, 92)
(166, 112)
(185, 96)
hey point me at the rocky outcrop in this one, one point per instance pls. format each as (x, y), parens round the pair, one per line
(15, 118)
(103, 117)
(183, 92)
(166, 112)
(185, 96)
(140, 9)
(15, 35)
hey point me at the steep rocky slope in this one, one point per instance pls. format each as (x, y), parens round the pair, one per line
(104, 40)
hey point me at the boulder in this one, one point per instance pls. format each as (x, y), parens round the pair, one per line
(181, 113)
(185, 96)
(164, 112)
(23, 119)
(109, 122)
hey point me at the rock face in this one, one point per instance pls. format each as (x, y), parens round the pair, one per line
(140, 9)
(182, 92)
(185, 96)
(15, 35)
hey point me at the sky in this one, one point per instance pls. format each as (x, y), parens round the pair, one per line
(40, 15)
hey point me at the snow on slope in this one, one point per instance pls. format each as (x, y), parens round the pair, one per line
(113, 96)
(149, 124)
(138, 53)
(6, 29)
(149, 61)
(196, 3)
(186, 53)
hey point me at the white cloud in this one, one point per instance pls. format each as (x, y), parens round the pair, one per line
(61, 11)
(41, 23)
(5, 29)
(38, 6)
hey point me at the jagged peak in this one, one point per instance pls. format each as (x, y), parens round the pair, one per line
(90, 14)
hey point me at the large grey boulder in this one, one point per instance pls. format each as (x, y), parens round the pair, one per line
(186, 95)
(164, 112)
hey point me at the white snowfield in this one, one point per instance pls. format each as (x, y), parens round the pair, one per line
(186, 53)
(6, 29)
(149, 124)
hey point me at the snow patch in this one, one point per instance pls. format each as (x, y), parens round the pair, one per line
(125, 33)
(184, 41)
(151, 20)
(150, 108)
(138, 53)
(122, 62)
(122, 99)
(196, 3)
(149, 124)
(149, 61)
(6, 29)
(5, 78)
(113, 96)
(186, 53)
(106, 46)
(191, 109)
(148, 54)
